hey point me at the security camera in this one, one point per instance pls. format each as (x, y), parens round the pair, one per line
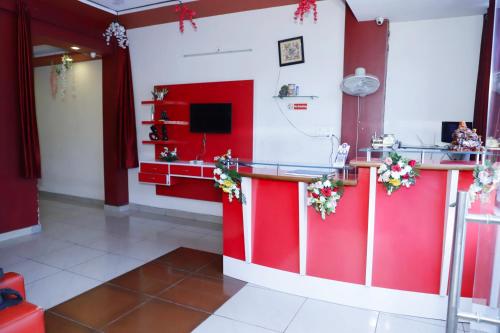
(379, 20)
(93, 55)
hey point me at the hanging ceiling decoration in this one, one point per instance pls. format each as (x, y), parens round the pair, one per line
(185, 13)
(119, 32)
(305, 7)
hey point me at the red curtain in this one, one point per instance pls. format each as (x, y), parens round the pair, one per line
(483, 76)
(31, 164)
(127, 136)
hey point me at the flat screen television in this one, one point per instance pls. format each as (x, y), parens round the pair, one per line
(210, 118)
(447, 129)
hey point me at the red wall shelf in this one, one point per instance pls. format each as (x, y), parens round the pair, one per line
(165, 122)
(161, 142)
(163, 103)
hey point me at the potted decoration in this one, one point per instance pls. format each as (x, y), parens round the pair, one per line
(169, 155)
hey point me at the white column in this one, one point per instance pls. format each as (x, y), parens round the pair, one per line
(371, 226)
(246, 189)
(449, 226)
(302, 228)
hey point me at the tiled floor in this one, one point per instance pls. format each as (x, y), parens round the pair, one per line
(84, 250)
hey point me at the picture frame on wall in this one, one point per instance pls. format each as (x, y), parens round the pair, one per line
(291, 51)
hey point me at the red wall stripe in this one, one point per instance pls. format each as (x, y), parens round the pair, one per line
(365, 45)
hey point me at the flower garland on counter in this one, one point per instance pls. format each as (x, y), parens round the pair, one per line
(169, 155)
(227, 179)
(397, 171)
(324, 195)
(486, 179)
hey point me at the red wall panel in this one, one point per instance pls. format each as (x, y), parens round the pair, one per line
(366, 45)
(409, 235)
(336, 247)
(232, 223)
(275, 224)
(240, 140)
(18, 196)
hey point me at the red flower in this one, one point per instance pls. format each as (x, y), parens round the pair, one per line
(396, 168)
(412, 163)
(217, 177)
(315, 196)
(405, 176)
(326, 191)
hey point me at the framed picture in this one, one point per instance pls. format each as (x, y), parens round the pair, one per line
(291, 51)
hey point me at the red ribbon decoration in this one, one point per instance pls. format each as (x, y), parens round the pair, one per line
(304, 7)
(185, 12)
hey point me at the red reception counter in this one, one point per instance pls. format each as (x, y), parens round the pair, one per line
(387, 253)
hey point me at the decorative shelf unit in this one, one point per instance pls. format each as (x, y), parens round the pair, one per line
(165, 122)
(164, 103)
(301, 96)
(162, 142)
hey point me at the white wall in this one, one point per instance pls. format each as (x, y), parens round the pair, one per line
(157, 58)
(70, 130)
(431, 76)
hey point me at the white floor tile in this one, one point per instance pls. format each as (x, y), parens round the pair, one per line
(405, 324)
(58, 288)
(261, 307)
(106, 267)
(69, 257)
(31, 270)
(112, 243)
(317, 316)
(40, 244)
(216, 324)
(8, 258)
(147, 250)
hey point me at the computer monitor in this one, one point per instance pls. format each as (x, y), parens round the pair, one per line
(447, 129)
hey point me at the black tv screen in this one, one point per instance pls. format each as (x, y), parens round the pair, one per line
(210, 118)
(447, 129)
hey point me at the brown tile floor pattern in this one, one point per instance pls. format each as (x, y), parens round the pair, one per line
(171, 294)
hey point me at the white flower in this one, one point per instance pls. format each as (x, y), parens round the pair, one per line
(395, 174)
(327, 183)
(382, 168)
(217, 171)
(223, 176)
(388, 161)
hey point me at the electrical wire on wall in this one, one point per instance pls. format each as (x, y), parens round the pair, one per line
(332, 137)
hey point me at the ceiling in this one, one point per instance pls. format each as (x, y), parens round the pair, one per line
(46, 50)
(364, 10)
(130, 5)
(412, 10)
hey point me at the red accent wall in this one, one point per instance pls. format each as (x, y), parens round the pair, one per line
(336, 247)
(18, 196)
(365, 45)
(275, 224)
(410, 242)
(115, 177)
(240, 140)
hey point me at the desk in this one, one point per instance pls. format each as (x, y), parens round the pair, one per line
(380, 252)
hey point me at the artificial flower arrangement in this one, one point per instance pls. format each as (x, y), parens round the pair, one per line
(397, 171)
(227, 179)
(486, 178)
(324, 195)
(169, 155)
